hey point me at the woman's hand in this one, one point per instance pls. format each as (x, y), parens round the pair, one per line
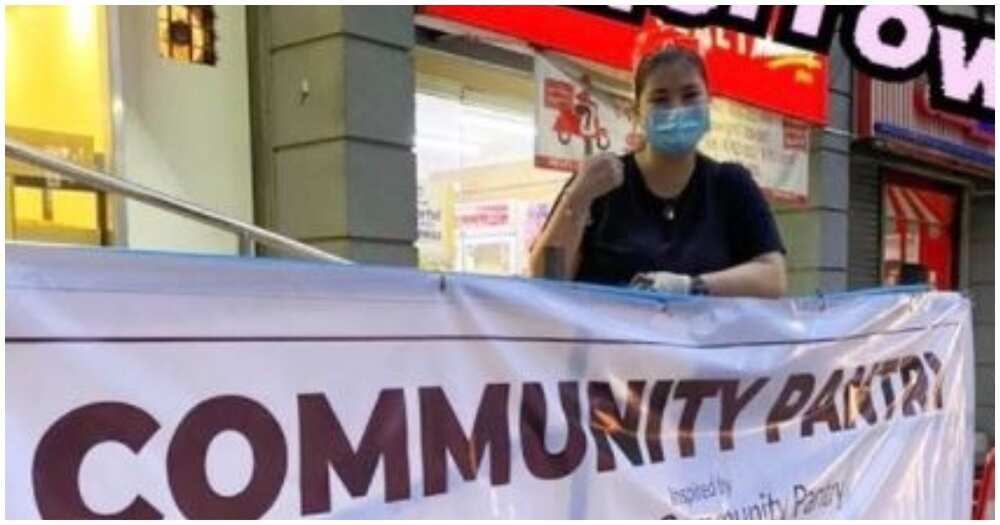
(599, 175)
(667, 282)
(564, 231)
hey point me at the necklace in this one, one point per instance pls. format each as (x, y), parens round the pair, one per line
(669, 210)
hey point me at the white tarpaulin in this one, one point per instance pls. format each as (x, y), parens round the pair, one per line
(151, 384)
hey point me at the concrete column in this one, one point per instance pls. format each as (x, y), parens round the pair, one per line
(816, 234)
(336, 93)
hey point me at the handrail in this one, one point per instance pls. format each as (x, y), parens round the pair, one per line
(247, 233)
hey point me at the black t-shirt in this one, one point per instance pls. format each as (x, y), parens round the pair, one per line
(718, 221)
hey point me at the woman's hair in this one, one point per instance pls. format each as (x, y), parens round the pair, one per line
(667, 56)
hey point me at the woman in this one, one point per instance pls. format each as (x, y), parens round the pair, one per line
(667, 217)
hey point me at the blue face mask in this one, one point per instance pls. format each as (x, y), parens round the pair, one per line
(677, 130)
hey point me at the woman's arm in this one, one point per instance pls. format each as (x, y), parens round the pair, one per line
(763, 276)
(568, 220)
(754, 238)
(564, 232)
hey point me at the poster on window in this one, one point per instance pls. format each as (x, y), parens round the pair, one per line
(774, 148)
(430, 228)
(576, 120)
(487, 237)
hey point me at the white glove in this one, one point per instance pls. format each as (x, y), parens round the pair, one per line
(666, 282)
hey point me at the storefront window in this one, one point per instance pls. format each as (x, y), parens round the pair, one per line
(481, 201)
(57, 100)
(919, 233)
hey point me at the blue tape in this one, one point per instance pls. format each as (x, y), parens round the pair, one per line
(598, 289)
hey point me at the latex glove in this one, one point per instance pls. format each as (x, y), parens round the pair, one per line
(666, 282)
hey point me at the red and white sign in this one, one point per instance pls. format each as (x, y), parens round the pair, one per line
(900, 115)
(477, 216)
(575, 119)
(976, 131)
(752, 70)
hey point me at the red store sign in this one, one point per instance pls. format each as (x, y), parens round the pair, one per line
(484, 215)
(899, 115)
(741, 67)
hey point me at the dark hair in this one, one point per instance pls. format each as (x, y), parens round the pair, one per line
(668, 55)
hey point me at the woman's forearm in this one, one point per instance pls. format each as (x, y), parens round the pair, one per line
(761, 277)
(564, 232)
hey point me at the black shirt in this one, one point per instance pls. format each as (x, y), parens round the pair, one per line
(718, 221)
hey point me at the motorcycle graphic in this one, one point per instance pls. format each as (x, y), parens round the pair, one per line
(581, 120)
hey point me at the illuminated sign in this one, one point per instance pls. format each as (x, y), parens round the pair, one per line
(742, 67)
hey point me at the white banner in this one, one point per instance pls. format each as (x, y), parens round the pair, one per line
(575, 119)
(148, 385)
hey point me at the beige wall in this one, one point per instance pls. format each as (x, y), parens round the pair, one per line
(186, 132)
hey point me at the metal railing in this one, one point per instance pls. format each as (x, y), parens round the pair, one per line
(247, 234)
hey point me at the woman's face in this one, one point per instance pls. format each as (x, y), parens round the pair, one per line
(671, 86)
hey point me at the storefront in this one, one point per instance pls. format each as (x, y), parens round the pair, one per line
(58, 99)
(157, 94)
(922, 207)
(926, 166)
(497, 134)
(462, 142)
(493, 137)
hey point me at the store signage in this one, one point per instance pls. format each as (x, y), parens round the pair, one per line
(747, 68)
(901, 114)
(928, 142)
(892, 43)
(173, 386)
(978, 130)
(474, 216)
(576, 120)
